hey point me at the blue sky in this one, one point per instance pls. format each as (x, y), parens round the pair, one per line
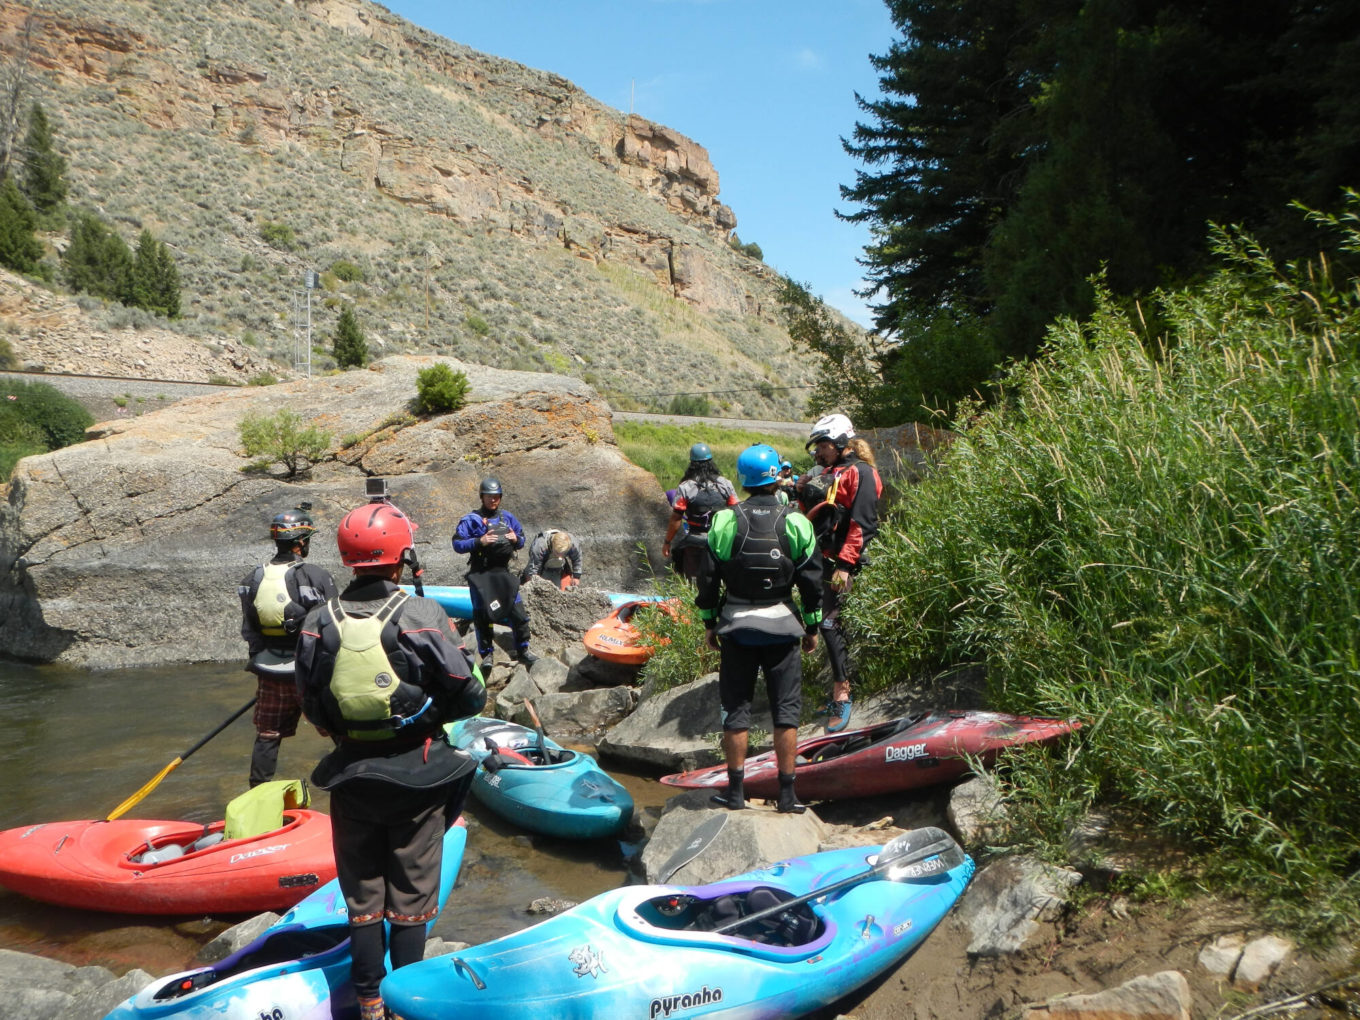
(767, 87)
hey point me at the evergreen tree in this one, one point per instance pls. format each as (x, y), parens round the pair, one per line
(44, 172)
(98, 261)
(155, 279)
(20, 248)
(348, 345)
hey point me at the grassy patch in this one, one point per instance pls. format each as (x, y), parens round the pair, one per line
(664, 449)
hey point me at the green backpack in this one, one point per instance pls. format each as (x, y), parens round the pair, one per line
(363, 681)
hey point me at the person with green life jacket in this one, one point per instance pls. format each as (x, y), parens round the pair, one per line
(380, 672)
(275, 597)
(759, 552)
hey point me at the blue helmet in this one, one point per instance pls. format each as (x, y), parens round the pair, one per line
(758, 465)
(700, 451)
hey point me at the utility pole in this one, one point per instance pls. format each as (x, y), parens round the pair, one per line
(310, 281)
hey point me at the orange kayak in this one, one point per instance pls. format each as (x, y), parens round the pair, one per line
(616, 639)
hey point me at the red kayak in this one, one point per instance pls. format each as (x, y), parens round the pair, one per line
(899, 755)
(136, 866)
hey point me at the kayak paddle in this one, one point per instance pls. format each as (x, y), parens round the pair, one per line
(698, 842)
(122, 808)
(542, 737)
(918, 853)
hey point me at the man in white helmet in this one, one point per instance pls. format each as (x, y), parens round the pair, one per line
(850, 486)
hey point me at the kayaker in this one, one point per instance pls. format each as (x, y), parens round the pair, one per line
(787, 484)
(275, 597)
(489, 537)
(380, 672)
(758, 552)
(700, 494)
(851, 487)
(554, 556)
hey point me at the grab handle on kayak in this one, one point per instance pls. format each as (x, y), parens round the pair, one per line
(460, 964)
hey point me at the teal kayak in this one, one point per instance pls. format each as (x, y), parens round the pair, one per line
(298, 968)
(551, 790)
(746, 947)
(457, 601)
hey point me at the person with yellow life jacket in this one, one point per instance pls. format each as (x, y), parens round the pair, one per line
(759, 552)
(842, 499)
(380, 672)
(275, 597)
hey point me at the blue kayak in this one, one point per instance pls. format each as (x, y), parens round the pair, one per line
(457, 601)
(298, 968)
(656, 951)
(554, 791)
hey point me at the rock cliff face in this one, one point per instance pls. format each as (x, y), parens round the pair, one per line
(499, 213)
(127, 549)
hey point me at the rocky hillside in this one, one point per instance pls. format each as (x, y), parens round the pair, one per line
(462, 204)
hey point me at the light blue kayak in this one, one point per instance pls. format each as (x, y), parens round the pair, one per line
(298, 968)
(567, 795)
(655, 951)
(457, 601)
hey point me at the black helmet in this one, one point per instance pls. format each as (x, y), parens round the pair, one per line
(491, 487)
(292, 526)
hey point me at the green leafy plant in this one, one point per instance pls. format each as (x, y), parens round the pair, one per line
(347, 271)
(281, 438)
(439, 389)
(36, 418)
(278, 235)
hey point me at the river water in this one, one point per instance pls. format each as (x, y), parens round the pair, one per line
(75, 743)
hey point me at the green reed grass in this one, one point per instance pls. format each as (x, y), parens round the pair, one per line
(664, 449)
(1163, 538)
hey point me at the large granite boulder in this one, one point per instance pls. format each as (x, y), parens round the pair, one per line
(127, 549)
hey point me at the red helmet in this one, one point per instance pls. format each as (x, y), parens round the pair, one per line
(373, 535)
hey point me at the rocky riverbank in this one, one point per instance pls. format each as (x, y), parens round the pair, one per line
(1028, 939)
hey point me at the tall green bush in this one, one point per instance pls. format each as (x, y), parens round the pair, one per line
(348, 344)
(44, 169)
(281, 438)
(20, 248)
(1163, 539)
(98, 261)
(155, 279)
(439, 389)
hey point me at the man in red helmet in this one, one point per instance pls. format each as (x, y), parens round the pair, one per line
(275, 597)
(380, 672)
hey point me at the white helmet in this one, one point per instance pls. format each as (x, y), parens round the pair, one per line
(833, 427)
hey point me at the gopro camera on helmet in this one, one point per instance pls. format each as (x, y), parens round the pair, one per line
(376, 490)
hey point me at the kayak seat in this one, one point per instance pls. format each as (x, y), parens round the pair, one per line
(161, 854)
(829, 751)
(794, 927)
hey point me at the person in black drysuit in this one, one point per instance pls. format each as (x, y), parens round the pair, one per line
(489, 537)
(380, 672)
(275, 597)
(700, 494)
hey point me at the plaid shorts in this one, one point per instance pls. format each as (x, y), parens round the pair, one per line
(278, 708)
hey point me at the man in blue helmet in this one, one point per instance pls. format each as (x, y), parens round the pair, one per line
(700, 494)
(275, 597)
(758, 552)
(489, 537)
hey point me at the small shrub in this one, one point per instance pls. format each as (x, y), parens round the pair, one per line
(7, 358)
(348, 345)
(281, 439)
(278, 235)
(345, 270)
(439, 389)
(477, 324)
(220, 380)
(263, 379)
(36, 418)
(121, 401)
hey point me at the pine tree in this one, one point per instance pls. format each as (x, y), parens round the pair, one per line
(44, 169)
(348, 345)
(98, 261)
(155, 280)
(20, 248)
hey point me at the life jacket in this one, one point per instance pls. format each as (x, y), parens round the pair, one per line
(272, 598)
(700, 508)
(500, 554)
(761, 568)
(373, 701)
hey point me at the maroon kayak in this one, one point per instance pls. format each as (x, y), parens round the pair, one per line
(898, 755)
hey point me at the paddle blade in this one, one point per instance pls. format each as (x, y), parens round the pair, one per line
(919, 853)
(136, 798)
(699, 840)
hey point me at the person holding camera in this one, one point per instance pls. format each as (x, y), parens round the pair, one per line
(275, 597)
(489, 537)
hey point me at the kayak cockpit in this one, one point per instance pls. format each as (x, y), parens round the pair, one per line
(167, 847)
(692, 916)
(274, 948)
